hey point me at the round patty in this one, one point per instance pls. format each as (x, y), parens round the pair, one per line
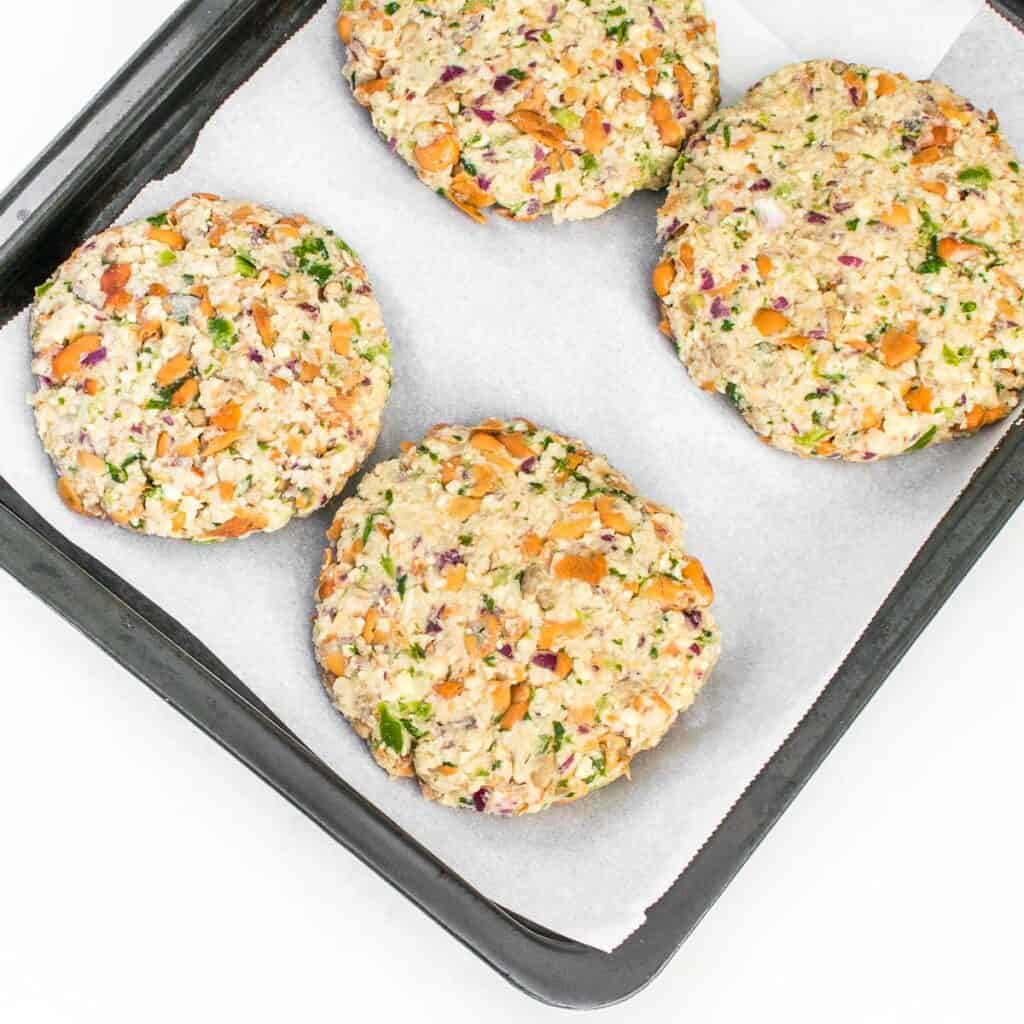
(563, 107)
(843, 260)
(208, 372)
(501, 616)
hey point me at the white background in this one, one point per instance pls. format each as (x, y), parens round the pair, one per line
(144, 875)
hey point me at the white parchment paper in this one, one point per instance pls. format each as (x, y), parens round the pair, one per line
(558, 324)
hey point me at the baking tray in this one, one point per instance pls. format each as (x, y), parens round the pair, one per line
(142, 126)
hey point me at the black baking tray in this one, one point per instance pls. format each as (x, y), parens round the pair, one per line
(142, 126)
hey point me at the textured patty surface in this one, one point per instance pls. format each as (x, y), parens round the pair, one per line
(843, 260)
(208, 372)
(560, 106)
(501, 616)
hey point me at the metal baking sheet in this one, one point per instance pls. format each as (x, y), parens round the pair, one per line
(137, 130)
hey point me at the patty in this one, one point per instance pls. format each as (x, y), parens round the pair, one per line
(208, 372)
(501, 616)
(843, 261)
(562, 106)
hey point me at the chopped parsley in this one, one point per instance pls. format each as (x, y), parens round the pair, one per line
(312, 255)
(559, 734)
(620, 32)
(734, 395)
(933, 262)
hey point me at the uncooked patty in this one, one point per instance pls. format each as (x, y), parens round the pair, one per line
(208, 372)
(501, 616)
(843, 261)
(555, 107)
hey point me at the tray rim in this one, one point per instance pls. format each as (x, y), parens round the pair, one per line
(137, 127)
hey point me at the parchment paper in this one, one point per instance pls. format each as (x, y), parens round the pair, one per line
(557, 324)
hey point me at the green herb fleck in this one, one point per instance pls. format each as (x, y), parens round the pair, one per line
(559, 734)
(924, 440)
(812, 437)
(620, 32)
(244, 264)
(165, 394)
(222, 332)
(391, 731)
(933, 262)
(413, 730)
(955, 358)
(598, 761)
(980, 176)
(567, 118)
(368, 527)
(312, 254)
(321, 272)
(419, 708)
(734, 395)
